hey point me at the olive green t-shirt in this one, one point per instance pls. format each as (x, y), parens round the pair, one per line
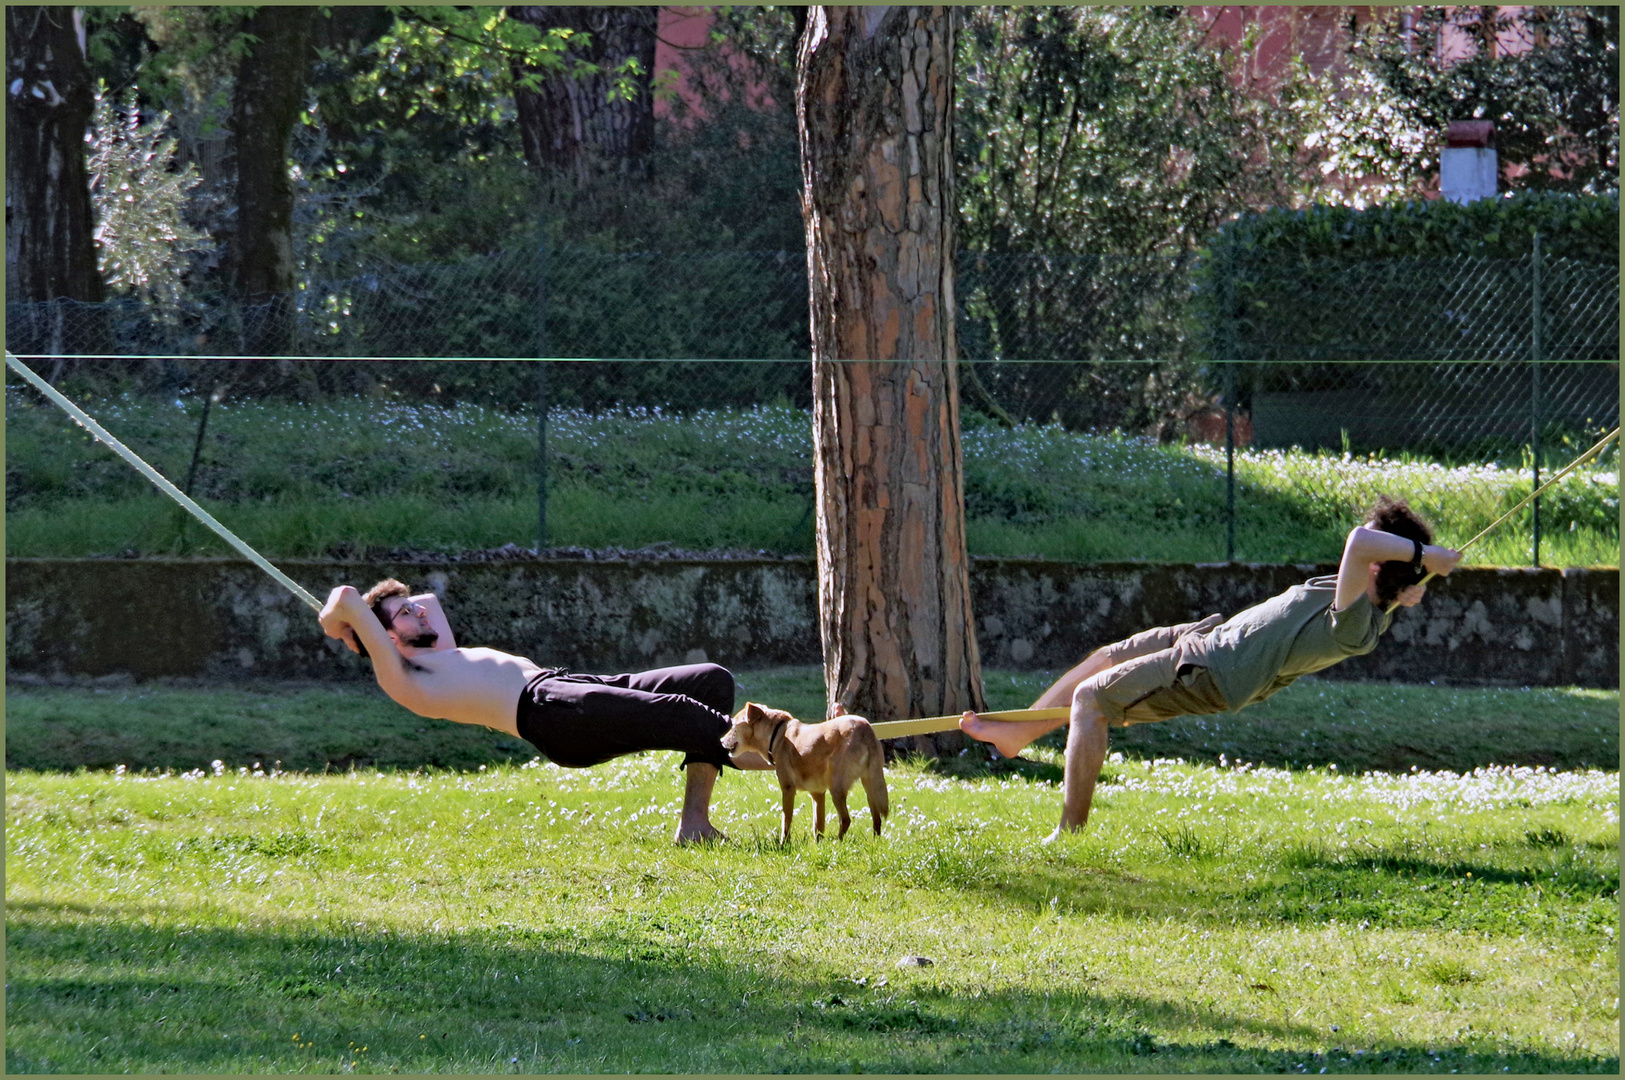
(1270, 645)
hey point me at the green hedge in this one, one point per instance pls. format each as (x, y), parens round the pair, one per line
(1422, 282)
(1575, 227)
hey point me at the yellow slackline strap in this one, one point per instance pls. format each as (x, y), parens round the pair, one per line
(157, 478)
(1531, 497)
(892, 729)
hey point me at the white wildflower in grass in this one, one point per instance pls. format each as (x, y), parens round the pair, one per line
(1487, 787)
(1469, 496)
(716, 478)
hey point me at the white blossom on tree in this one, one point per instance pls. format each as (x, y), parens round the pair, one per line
(138, 195)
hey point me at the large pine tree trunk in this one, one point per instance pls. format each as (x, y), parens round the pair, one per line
(873, 104)
(570, 126)
(49, 219)
(265, 106)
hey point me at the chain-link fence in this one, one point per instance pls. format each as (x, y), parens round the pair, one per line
(336, 458)
(1100, 395)
(1461, 308)
(752, 305)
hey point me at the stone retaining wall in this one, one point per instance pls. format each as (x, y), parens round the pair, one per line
(218, 618)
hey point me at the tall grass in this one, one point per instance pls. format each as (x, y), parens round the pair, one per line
(335, 478)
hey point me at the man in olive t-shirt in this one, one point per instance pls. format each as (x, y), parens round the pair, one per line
(1268, 646)
(1216, 666)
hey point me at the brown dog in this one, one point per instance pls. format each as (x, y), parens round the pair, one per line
(815, 758)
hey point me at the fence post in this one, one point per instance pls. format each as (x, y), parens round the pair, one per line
(1226, 348)
(197, 444)
(1230, 460)
(541, 388)
(1534, 385)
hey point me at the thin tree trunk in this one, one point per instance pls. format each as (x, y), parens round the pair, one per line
(50, 222)
(873, 102)
(570, 126)
(269, 94)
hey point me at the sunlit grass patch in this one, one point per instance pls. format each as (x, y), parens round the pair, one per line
(1580, 515)
(383, 474)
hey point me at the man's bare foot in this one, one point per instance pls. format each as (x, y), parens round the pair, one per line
(1000, 734)
(694, 821)
(700, 832)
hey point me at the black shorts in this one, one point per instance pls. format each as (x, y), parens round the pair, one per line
(583, 720)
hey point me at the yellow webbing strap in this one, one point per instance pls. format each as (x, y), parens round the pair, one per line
(892, 729)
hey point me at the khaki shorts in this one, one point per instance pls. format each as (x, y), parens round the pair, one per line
(1150, 681)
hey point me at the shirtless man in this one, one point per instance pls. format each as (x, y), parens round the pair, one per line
(1212, 666)
(576, 720)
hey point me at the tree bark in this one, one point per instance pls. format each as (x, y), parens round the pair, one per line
(49, 219)
(873, 105)
(265, 105)
(570, 126)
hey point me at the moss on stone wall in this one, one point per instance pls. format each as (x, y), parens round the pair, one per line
(223, 618)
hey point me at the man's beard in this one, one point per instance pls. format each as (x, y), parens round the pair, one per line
(424, 640)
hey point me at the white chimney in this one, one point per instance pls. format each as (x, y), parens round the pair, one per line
(1467, 167)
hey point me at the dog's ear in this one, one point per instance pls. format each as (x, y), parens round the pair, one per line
(754, 712)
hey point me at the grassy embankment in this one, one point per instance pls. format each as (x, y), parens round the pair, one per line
(1236, 904)
(319, 480)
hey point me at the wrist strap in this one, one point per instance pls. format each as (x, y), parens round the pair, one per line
(1416, 561)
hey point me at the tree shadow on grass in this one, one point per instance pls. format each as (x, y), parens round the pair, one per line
(299, 727)
(107, 990)
(1292, 732)
(1400, 891)
(980, 762)
(311, 728)
(1190, 876)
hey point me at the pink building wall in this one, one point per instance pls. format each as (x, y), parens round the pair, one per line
(682, 32)
(1318, 33)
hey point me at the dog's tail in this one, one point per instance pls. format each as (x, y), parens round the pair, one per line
(874, 776)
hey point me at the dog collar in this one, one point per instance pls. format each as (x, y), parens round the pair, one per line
(771, 739)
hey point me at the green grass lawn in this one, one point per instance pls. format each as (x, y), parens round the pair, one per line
(1255, 911)
(309, 481)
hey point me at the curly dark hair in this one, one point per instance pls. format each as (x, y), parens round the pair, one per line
(375, 597)
(1395, 516)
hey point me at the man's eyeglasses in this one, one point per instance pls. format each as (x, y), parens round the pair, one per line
(416, 609)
